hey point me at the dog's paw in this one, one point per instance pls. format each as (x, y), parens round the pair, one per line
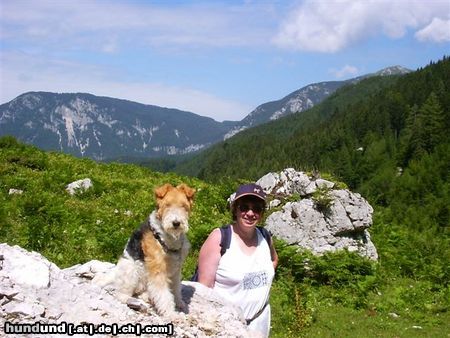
(182, 306)
(122, 297)
(144, 296)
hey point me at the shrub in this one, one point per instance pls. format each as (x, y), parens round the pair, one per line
(322, 199)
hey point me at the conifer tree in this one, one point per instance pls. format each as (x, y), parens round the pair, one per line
(433, 122)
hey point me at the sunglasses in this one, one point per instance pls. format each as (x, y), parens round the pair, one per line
(257, 208)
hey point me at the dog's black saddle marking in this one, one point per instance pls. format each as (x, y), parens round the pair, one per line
(134, 247)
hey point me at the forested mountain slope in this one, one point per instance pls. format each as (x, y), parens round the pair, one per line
(330, 136)
(269, 141)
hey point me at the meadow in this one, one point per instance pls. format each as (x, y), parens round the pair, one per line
(404, 294)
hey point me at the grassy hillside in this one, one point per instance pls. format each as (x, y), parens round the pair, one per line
(406, 294)
(96, 224)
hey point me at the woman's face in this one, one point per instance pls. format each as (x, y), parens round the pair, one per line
(249, 211)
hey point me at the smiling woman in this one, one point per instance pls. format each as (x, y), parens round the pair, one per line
(242, 271)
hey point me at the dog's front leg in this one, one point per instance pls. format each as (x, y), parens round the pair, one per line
(175, 286)
(157, 286)
(160, 294)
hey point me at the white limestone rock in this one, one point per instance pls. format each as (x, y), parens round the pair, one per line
(343, 225)
(32, 289)
(80, 185)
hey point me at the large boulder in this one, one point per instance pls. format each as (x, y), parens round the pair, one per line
(32, 290)
(315, 214)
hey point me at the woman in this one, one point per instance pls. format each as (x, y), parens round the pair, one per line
(243, 275)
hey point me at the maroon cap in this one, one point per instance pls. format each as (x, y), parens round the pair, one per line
(251, 189)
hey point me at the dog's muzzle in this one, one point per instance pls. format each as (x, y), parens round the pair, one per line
(175, 221)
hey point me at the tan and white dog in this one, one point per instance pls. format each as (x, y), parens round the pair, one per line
(150, 266)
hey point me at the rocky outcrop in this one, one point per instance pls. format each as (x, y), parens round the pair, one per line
(36, 292)
(80, 185)
(14, 191)
(315, 214)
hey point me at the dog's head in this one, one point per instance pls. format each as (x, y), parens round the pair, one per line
(174, 205)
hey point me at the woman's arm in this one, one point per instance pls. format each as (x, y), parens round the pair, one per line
(208, 259)
(273, 254)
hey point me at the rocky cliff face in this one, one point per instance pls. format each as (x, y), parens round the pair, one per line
(102, 128)
(315, 214)
(34, 290)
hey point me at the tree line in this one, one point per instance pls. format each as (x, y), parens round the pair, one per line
(382, 136)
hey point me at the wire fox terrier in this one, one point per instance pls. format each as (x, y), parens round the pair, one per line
(150, 266)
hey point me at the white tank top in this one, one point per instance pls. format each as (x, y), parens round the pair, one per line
(246, 280)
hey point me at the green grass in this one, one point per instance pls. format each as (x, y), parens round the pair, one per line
(302, 311)
(339, 321)
(337, 295)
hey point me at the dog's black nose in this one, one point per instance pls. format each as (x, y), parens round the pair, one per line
(176, 224)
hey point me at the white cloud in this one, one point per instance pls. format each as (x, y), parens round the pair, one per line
(344, 72)
(329, 26)
(139, 23)
(53, 35)
(29, 73)
(320, 26)
(437, 31)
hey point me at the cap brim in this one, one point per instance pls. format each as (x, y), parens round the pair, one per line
(249, 194)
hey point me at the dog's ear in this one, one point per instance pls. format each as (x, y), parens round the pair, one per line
(188, 191)
(161, 191)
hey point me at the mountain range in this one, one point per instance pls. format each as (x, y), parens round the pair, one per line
(303, 99)
(106, 128)
(380, 123)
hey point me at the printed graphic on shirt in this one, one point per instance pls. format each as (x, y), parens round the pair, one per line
(255, 280)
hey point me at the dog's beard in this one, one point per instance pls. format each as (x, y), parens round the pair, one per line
(173, 217)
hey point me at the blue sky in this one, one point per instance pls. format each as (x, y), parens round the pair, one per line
(214, 58)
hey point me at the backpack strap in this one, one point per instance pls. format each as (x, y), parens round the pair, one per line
(266, 234)
(225, 239)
